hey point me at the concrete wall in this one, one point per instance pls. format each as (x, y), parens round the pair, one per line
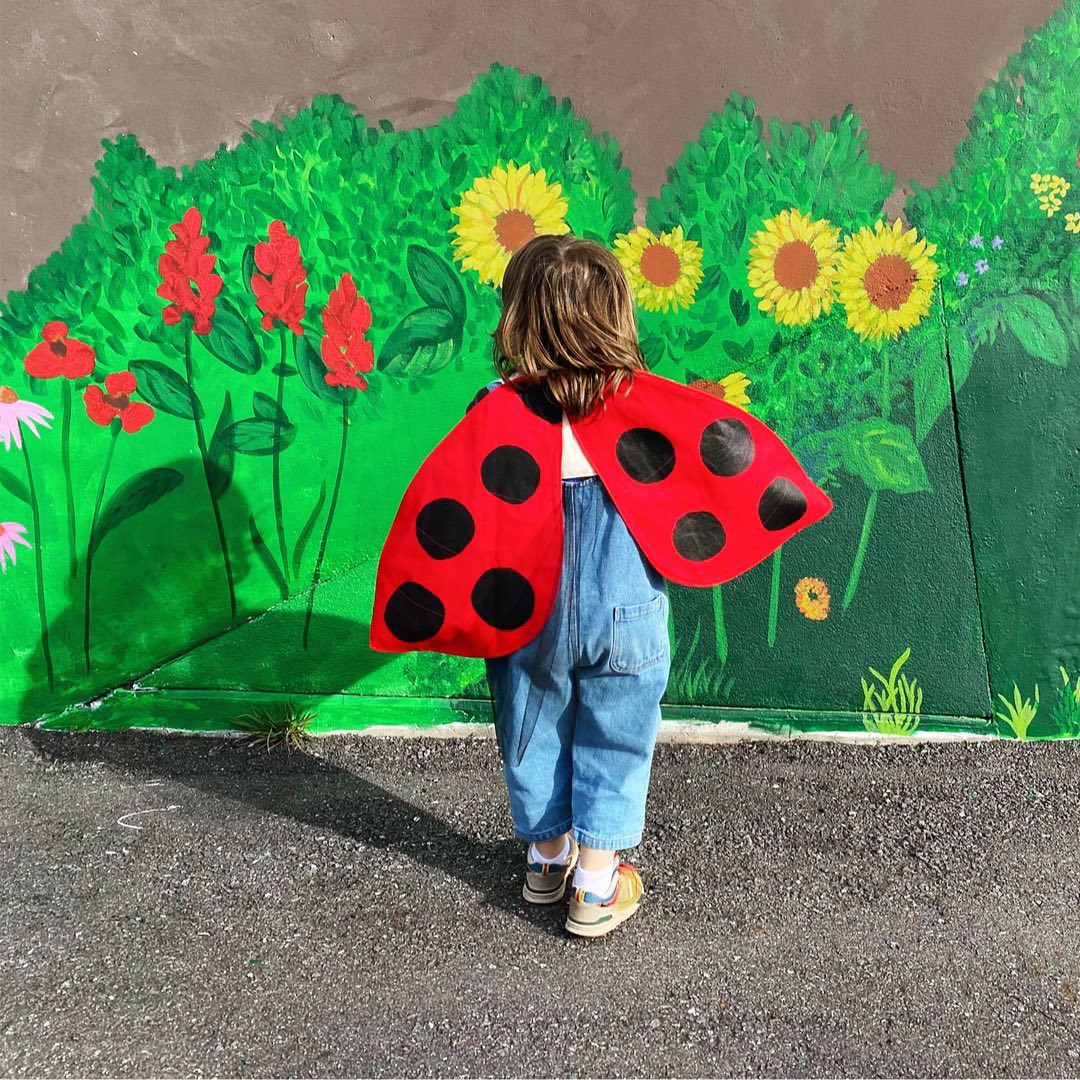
(187, 77)
(222, 554)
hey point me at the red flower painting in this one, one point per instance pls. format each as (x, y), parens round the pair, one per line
(281, 287)
(103, 407)
(345, 351)
(59, 356)
(187, 274)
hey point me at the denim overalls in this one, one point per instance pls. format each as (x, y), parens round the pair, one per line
(577, 709)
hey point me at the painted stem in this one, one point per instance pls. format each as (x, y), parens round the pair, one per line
(65, 452)
(721, 629)
(316, 576)
(774, 584)
(200, 436)
(774, 597)
(90, 543)
(886, 395)
(871, 506)
(860, 553)
(43, 617)
(278, 516)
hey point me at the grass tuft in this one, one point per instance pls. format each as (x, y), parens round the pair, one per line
(1018, 713)
(896, 704)
(287, 725)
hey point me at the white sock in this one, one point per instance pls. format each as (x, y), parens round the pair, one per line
(600, 882)
(561, 857)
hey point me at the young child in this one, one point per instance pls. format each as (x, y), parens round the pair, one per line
(574, 633)
(579, 793)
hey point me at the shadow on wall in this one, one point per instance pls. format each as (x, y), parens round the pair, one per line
(264, 656)
(142, 582)
(124, 602)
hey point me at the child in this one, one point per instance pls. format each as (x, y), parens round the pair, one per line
(579, 794)
(538, 535)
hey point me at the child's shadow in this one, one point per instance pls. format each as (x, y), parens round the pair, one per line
(314, 791)
(141, 576)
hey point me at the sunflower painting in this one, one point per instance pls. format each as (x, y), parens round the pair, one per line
(731, 388)
(793, 267)
(500, 212)
(664, 270)
(886, 280)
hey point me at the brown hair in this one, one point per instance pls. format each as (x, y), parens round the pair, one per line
(567, 318)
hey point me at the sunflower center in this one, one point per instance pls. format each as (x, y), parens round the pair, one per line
(660, 265)
(8, 396)
(119, 401)
(513, 228)
(888, 281)
(796, 265)
(709, 386)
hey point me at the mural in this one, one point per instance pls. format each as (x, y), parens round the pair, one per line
(213, 395)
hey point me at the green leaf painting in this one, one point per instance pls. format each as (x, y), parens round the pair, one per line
(438, 284)
(133, 497)
(14, 486)
(232, 341)
(883, 456)
(1037, 328)
(165, 389)
(421, 344)
(221, 451)
(258, 435)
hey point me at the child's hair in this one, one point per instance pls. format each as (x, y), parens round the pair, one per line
(568, 318)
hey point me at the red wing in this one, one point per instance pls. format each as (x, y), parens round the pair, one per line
(471, 564)
(706, 489)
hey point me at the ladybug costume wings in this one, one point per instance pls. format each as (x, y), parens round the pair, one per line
(472, 561)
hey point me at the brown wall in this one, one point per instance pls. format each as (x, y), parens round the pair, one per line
(185, 77)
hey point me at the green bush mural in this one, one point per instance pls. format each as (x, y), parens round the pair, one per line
(213, 395)
(1008, 216)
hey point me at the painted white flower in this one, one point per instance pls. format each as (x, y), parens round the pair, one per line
(14, 412)
(11, 533)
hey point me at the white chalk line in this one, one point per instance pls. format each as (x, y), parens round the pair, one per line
(122, 820)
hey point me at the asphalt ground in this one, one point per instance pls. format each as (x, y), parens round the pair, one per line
(178, 906)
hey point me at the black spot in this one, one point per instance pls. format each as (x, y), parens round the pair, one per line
(727, 447)
(414, 613)
(645, 455)
(781, 505)
(698, 536)
(503, 598)
(510, 473)
(537, 398)
(444, 528)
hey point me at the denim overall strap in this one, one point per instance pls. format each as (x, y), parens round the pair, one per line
(544, 660)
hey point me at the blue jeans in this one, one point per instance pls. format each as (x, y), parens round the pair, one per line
(577, 708)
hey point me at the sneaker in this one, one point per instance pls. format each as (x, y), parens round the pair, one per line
(545, 883)
(593, 916)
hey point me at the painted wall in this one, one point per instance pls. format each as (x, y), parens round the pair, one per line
(216, 389)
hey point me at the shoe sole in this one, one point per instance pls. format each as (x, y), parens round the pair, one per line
(600, 927)
(552, 897)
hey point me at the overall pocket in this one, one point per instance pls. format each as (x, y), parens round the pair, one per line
(639, 635)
